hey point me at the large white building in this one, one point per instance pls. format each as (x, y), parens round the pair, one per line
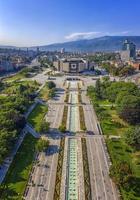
(72, 65)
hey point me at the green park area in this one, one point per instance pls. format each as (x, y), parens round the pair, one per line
(15, 99)
(117, 105)
(48, 91)
(25, 73)
(37, 118)
(17, 177)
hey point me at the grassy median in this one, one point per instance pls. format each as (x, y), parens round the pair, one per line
(63, 125)
(17, 177)
(82, 119)
(59, 171)
(86, 170)
(37, 116)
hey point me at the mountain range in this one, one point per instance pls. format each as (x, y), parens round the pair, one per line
(106, 43)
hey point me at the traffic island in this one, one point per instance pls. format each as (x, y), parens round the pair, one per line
(63, 125)
(57, 191)
(79, 97)
(86, 170)
(82, 119)
(67, 97)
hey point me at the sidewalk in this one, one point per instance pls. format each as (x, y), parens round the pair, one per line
(7, 162)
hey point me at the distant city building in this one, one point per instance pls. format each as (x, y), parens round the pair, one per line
(72, 65)
(37, 50)
(63, 50)
(128, 51)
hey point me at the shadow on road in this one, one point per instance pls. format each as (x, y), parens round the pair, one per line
(52, 149)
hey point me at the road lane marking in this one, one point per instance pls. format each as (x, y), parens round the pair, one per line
(94, 141)
(96, 190)
(50, 175)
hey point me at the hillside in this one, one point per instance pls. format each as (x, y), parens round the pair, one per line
(106, 43)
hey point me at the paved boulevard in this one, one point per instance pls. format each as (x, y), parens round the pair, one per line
(43, 177)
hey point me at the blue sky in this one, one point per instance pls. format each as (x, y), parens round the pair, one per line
(40, 22)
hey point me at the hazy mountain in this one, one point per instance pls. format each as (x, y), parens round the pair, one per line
(7, 47)
(106, 43)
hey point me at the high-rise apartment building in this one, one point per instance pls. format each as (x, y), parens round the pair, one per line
(128, 51)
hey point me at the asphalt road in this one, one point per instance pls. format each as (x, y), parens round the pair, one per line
(43, 176)
(102, 186)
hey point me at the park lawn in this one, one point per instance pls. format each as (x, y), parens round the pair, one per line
(47, 93)
(12, 87)
(15, 77)
(18, 174)
(24, 73)
(119, 152)
(44, 93)
(112, 124)
(37, 115)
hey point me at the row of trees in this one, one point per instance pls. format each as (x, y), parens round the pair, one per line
(51, 87)
(118, 71)
(12, 108)
(98, 58)
(126, 96)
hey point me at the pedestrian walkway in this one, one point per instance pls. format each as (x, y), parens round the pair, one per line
(31, 130)
(7, 162)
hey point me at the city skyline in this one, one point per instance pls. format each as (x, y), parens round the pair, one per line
(29, 23)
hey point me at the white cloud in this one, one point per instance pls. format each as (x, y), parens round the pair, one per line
(93, 34)
(83, 35)
(120, 33)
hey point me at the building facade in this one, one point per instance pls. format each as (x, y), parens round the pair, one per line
(73, 65)
(128, 51)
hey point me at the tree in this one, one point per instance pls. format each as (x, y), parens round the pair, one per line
(121, 173)
(42, 145)
(132, 136)
(51, 93)
(128, 107)
(51, 84)
(125, 71)
(116, 87)
(62, 128)
(98, 89)
(44, 126)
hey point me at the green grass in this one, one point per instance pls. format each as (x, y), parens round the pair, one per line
(47, 93)
(18, 174)
(37, 115)
(82, 119)
(44, 93)
(57, 191)
(86, 170)
(11, 88)
(111, 123)
(24, 73)
(120, 151)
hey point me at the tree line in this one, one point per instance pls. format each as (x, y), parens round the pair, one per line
(15, 99)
